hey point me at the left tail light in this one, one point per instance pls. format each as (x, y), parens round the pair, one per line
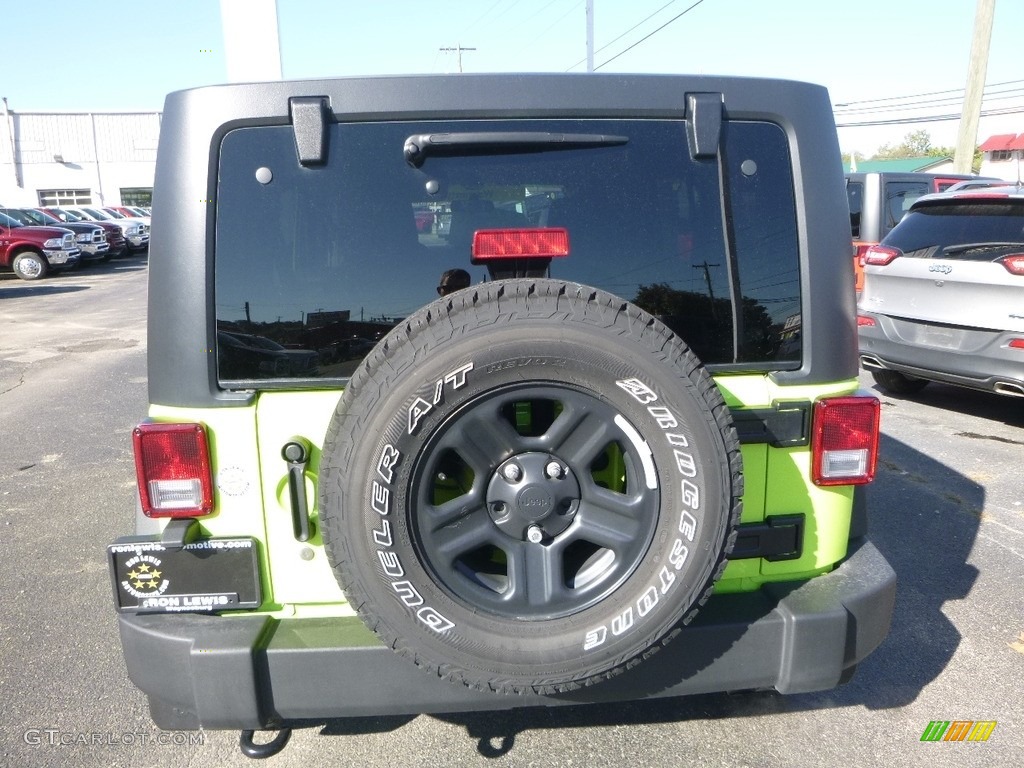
(881, 255)
(172, 465)
(845, 440)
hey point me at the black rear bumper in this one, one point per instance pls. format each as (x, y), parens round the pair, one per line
(251, 672)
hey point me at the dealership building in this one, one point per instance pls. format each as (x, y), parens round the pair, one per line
(77, 158)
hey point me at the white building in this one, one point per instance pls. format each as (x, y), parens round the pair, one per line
(1001, 156)
(77, 158)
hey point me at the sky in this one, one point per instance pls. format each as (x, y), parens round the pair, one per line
(881, 60)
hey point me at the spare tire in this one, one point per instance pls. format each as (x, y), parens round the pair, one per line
(528, 485)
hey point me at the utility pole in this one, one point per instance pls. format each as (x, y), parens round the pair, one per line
(706, 269)
(967, 138)
(590, 35)
(458, 50)
(252, 45)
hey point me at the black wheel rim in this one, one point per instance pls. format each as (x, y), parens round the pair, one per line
(502, 530)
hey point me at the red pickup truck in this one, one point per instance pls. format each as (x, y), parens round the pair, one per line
(33, 251)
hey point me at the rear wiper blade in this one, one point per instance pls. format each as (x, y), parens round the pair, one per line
(984, 246)
(418, 146)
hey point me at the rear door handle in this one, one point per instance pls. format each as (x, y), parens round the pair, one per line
(296, 454)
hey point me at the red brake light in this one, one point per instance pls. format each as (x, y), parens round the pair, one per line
(542, 243)
(172, 466)
(880, 255)
(864, 320)
(1014, 264)
(845, 440)
(1016, 344)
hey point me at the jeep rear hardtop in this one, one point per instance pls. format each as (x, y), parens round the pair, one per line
(644, 402)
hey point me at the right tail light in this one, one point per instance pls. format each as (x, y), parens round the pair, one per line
(844, 443)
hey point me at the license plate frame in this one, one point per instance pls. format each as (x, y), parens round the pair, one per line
(204, 576)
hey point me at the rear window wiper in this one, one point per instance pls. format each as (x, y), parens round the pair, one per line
(419, 146)
(954, 250)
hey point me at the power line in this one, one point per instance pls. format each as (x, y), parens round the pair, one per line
(932, 103)
(645, 37)
(932, 118)
(882, 105)
(919, 95)
(614, 40)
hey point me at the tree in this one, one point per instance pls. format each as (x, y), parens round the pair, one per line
(919, 144)
(915, 144)
(849, 157)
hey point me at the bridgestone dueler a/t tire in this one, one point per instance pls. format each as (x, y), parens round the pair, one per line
(528, 486)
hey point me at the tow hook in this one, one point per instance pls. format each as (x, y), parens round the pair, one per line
(262, 751)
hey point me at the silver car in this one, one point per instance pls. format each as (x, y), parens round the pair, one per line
(943, 296)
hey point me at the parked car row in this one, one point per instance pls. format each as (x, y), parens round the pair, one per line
(878, 200)
(37, 241)
(943, 294)
(247, 356)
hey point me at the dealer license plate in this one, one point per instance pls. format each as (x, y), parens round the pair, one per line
(204, 576)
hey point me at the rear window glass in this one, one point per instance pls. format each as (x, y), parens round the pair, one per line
(938, 231)
(899, 196)
(321, 262)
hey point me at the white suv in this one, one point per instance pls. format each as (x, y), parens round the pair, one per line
(943, 297)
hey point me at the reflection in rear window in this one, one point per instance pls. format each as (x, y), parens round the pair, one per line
(325, 261)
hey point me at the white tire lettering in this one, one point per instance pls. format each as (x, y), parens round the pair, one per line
(407, 593)
(389, 562)
(417, 411)
(691, 495)
(380, 496)
(685, 464)
(677, 557)
(434, 620)
(687, 525)
(647, 601)
(595, 637)
(640, 391)
(457, 378)
(383, 536)
(388, 459)
(663, 416)
(667, 579)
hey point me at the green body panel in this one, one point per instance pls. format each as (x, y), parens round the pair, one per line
(777, 482)
(300, 570)
(251, 491)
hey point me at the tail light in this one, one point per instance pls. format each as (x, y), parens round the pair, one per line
(1014, 264)
(880, 255)
(863, 321)
(540, 243)
(172, 465)
(845, 440)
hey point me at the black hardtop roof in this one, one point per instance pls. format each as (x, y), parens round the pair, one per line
(537, 93)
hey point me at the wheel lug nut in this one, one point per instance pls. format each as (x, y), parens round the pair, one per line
(553, 470)
(512, 473)
(535, 534)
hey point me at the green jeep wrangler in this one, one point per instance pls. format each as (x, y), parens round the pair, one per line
(627, 430)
